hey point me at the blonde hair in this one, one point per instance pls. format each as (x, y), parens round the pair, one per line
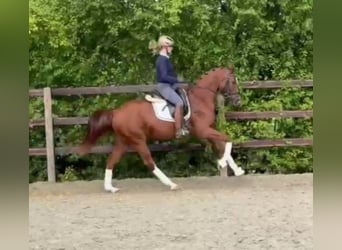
(162, 41)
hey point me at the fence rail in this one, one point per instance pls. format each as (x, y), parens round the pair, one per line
(49, 122)
(68, 121)
(149, 87)
(104, 149)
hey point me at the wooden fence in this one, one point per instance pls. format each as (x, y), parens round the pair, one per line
(49, 122)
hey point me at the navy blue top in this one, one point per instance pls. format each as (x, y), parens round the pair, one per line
(165, 70)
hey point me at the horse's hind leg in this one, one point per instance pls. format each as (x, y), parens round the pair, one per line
(118, 151)
(146, 156)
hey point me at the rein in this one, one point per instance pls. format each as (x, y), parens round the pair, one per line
(212, 91)
(215, 93)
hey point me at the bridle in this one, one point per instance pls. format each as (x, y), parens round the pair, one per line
(232, 96)
(225, 94)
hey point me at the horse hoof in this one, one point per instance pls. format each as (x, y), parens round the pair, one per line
(239, 172)
(112, 189)
(174, 187)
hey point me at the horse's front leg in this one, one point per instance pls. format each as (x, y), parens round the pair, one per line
(223, 146)
(224, 149)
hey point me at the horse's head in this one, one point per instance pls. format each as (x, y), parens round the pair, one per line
(222, 81)
(228, 86)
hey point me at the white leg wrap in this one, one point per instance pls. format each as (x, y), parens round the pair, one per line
(227, 158)
(163, 178)
(108, 181)
(227, 150)
(237, 170)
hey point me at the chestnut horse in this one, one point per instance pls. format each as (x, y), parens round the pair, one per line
(136, 122)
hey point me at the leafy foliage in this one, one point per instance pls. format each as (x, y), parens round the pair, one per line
(96, 43)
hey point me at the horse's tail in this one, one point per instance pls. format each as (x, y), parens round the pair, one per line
(99, 124)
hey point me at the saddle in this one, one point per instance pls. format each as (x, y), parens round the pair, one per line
(164, 109)
(182, 94)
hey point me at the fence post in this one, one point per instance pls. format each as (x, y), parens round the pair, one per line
(50, 149)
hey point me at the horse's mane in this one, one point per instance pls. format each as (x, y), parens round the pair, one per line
(207, 73)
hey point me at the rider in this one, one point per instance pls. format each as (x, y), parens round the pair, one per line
(167, 79)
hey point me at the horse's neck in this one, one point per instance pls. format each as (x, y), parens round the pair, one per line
(204, 92)
(200, 96)
(208, 82)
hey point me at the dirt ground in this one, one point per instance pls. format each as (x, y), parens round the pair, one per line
(248, 212)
